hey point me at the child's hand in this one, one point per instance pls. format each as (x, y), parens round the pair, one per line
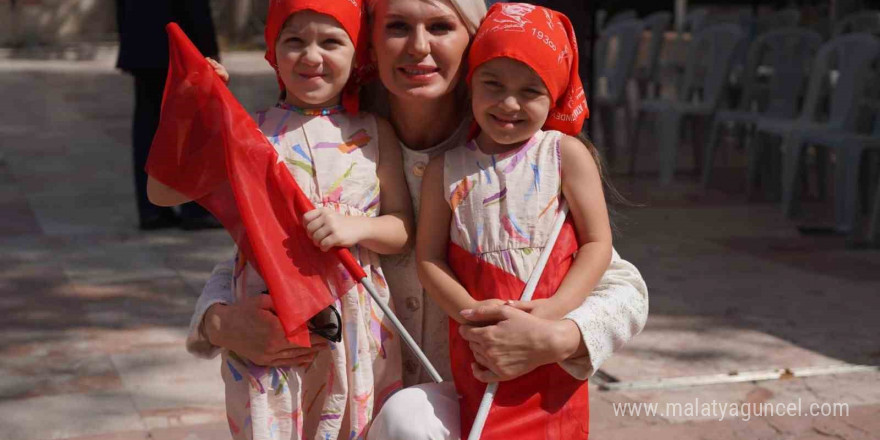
(541, 308)
(219, 70)
(329, 229)
(484, 303)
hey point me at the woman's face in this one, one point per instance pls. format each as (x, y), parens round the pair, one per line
(419, 46)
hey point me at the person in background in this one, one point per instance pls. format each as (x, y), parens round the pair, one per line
(143, 53)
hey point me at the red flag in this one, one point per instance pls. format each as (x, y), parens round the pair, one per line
(208, 148)
(546, 403)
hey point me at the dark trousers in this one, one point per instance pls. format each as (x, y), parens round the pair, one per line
(149, 85)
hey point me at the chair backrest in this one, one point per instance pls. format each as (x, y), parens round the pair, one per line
(616, 53)
(785, 56)
(656, 23)
(695, 20)
(708, 64)
(864, 21)
(626, 14)
(778, 20)
(839, 77)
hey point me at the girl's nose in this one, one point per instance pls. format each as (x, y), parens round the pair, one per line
(509, 104)
(419, 45)
(311, 55)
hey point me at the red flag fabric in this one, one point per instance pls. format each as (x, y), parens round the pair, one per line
(210, 149)
(546, 403)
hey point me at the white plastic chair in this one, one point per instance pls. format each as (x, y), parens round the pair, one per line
(840, 73)
(648, 75)
(786, 56)
(705, 77)
(616, 54)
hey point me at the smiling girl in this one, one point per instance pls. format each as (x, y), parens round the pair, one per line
(499, 194)
(349, 165)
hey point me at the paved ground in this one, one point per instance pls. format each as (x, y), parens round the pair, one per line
(95, 312)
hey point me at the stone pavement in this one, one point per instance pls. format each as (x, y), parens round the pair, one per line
(95, 312)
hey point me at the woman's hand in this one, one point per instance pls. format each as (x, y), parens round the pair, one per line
(508, 342)
(219, 69)
(329, 229)
(251, 329)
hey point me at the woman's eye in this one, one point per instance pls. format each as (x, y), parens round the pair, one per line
(492, 84)
(396, 26)
(442, 27)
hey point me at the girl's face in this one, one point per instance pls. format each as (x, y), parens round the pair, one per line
(315, 56)
(419, 46)
(510, 101)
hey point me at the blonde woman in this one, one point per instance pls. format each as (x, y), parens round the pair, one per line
(419, 47)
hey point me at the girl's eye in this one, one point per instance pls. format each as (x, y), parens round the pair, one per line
(492, 84)
(532, 92)
(294, 40)
(332, 42)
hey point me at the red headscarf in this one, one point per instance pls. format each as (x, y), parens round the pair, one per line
(544, 40)
(349, 13)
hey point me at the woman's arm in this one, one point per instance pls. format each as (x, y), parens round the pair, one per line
(388, 233)
(509, 342)
(249, 328)
(431, 244)
(582, 189)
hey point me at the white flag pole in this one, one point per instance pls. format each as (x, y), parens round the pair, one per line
(534, 277)
(402, 331)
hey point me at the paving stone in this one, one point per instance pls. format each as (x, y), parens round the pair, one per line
(67, 415)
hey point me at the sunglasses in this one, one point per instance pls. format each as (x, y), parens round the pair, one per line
(326, 324)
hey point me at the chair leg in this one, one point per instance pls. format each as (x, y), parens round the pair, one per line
(698, 140)
(634, 143)
(874, 227)
(670, 136)
(709, 153)
(846, 189)
(754, 151)
(608, 119)
(792, 149)
(822, 163)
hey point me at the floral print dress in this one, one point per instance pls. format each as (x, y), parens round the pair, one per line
(333, 157)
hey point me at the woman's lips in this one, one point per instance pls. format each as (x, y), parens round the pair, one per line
(419, 72)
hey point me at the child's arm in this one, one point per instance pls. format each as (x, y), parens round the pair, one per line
(388, 233)
(432, 240)
(163, 195)
(582, 188)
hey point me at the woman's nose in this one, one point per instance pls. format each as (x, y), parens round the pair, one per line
(419, 46)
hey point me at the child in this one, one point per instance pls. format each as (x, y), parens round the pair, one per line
(499, 195)
(343, 161)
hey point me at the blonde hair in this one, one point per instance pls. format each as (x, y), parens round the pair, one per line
(471, 12)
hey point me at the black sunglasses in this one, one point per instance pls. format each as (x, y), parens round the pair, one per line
(326, 324)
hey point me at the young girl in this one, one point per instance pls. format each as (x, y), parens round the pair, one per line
(498, 197)
(342, 161)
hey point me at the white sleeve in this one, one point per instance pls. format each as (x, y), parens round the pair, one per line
(614, 312)
(218, 289)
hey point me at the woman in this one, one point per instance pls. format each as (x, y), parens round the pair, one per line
(419, 47)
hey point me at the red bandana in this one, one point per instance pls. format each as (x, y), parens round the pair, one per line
(544, 40)
(349, 13)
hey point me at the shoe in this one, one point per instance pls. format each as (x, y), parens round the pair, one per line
(199, 223)
(161, 221)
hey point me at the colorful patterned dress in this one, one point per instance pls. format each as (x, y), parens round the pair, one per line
(333, 158)
(503, 210)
